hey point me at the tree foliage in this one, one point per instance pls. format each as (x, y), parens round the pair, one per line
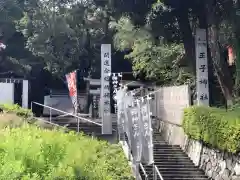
(59, 32)
(35, 150)
(157, 58)
(164, 37)
(157, 36)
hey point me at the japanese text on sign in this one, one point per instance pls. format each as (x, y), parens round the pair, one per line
(115, 86)
(105, 90)
(147, 133)
(202, 83)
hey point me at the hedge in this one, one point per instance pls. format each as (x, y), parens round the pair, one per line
(29, 152)
(214, 127)
(16, 109)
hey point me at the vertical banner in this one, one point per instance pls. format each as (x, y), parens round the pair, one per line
(114, 89)
(202, 67)
(105, 89)
(231, 56)
(147, 133)
(136, 144)
(25, 94)
(128, 100)
(120, 113)
(72, 87)
(95, 106)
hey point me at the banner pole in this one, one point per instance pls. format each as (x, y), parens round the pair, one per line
(76, 108)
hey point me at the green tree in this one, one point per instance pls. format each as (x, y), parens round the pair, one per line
(171, 24)
(62, 33)
(14, 58)
(157, 59)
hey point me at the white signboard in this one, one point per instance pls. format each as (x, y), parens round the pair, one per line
(202, 67)
(6, 93)
(105, 89)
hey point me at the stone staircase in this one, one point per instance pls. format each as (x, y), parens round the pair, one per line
(172, 163)
(87, 128)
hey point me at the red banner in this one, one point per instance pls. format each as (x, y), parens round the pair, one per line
(72, 87)
(230, 56)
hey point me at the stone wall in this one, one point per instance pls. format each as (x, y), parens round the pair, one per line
(216, 164)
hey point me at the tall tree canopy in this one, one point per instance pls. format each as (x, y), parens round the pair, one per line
(61, 32)
(162, 44)
(156, 36)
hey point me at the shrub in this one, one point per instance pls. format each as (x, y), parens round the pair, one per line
(214, 127)
(18, 110)
(10, 120)
(29, 152)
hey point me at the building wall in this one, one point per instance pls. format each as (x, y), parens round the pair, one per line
(61, 102)
(6, 93)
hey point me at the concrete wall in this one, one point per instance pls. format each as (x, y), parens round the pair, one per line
(6, 93)
(61, 102)
(168, 106)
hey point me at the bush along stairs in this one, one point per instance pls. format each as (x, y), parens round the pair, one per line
(172, 163)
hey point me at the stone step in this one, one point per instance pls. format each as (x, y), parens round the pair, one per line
(169, 158)
(169, 154)
(177, 151)
(174, 166)
(185, 178)
(174, 174)
(183, 173)
(159, 142)
(182, 168)
(167, 145)
(177, 161)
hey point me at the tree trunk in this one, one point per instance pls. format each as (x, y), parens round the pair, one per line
(236, 27)
(219, 64)
(88, 69)
(186, 33)
(88, 99)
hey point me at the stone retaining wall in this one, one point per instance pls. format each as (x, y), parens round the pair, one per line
(216, 164)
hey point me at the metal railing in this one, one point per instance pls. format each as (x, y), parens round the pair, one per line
(143, 171)
(156, 174)
(66, 114)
